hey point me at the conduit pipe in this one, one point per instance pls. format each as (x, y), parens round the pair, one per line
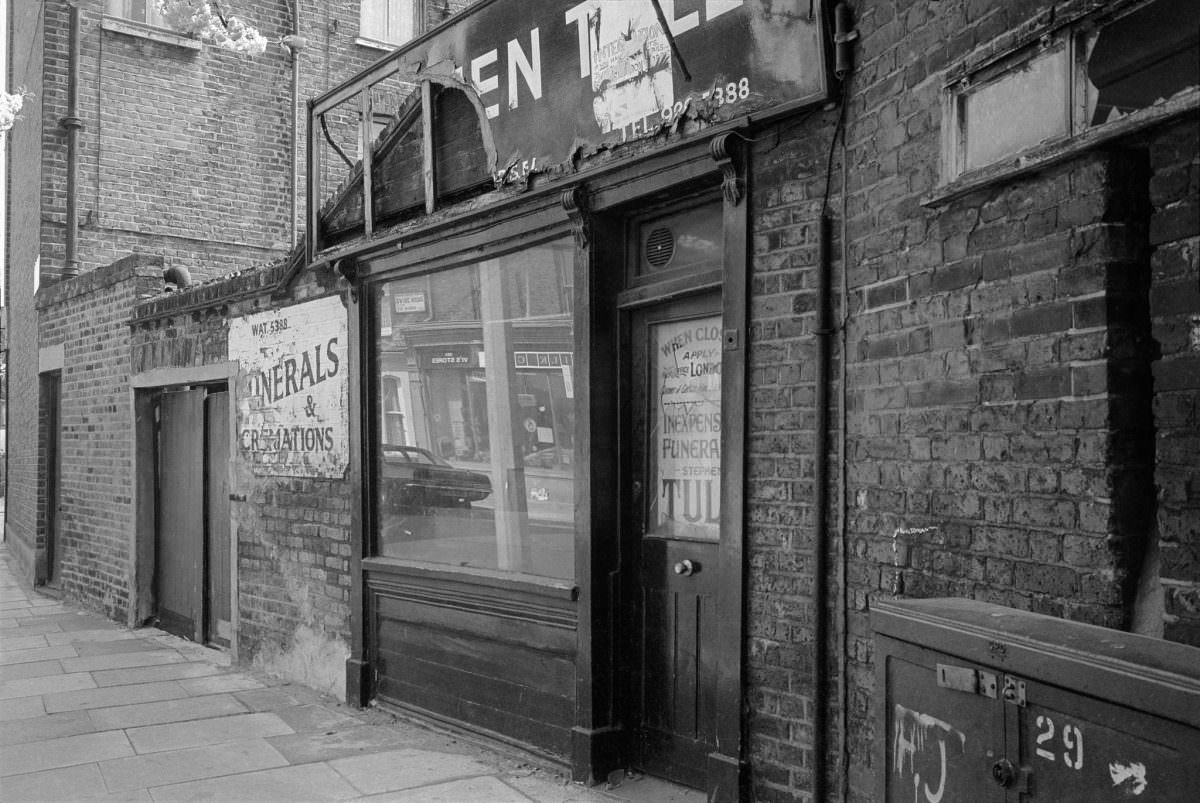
(72, 124)
(294, 43)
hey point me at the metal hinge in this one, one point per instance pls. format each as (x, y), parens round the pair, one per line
(966, 679)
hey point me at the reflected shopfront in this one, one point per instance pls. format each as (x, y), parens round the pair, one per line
(477, 414)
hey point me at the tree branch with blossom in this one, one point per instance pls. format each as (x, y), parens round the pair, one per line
(209, 22)
(10, 107)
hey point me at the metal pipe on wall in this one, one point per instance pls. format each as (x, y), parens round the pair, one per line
(294, 43)
(72, 124)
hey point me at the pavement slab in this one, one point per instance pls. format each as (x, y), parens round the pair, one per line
(129, 716)
(113, 696)
(177, 766)
(70, 783)
(200, 732)
(99, 634)
(309, 782)
(50, 726)
(43, 654)
(314, 718)
(469, 790)
(217, 684)
(404, 769)
(302, 748)
(151, 674)
(23, 642)
(33, 669)
(21, 708)
(50, 684)
(63, 752)
(120, 660)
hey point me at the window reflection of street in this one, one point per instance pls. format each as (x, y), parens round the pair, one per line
(476, 415)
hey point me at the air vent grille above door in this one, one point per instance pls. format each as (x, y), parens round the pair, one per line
(660, 248)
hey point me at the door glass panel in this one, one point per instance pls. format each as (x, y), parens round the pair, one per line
(475, 464)
(684, 429)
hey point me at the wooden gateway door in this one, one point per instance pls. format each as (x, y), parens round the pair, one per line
(179, 552)
(672, 526)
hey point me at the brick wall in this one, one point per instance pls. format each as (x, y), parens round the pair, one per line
(292, 534)
(1175, 308)
(999, 441)
(87, 316)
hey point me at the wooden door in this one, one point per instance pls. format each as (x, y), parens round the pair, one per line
(216, 460)
(179, 552)
(672, 527)
(51, 397)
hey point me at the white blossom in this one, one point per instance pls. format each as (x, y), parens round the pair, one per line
(206, 20)
(10, 108)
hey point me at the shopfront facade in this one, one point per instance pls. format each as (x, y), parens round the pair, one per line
(554, 376)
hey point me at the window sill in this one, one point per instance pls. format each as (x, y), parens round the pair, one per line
(375, 44)
(143, 31)
(1185, 104)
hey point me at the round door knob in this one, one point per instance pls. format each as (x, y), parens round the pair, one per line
(685, 567)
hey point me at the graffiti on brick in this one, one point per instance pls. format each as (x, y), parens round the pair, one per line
(685, 428)
(922, 748)
(292, 407)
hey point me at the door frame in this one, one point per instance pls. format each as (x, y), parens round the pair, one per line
(144, 391)
(603, 300)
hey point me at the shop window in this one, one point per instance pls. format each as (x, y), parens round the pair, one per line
(475, 460)
(388, 22)
(146, 11)
(1088, 74)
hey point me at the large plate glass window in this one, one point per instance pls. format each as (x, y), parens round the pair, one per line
(475, 459)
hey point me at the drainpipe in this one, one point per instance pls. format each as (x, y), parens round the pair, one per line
(294, 43)
(843, 37)
(72, 124)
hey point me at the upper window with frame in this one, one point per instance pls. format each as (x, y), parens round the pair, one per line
(389, 22)
(147, 12)
(1085, 75)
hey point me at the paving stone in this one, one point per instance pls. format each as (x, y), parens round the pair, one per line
(33, 669)
(18, 643)
(177, 766)
(32, 687)
(219, 683)
(266, 699)
(309, 782)
(87, 649)
(74, 636)
(34, 625)
(94, 663)
(50, 726)
(315, 718)
(469, 790)
(151, 674)
(199, 732)
(301, 748)
(404, 769)
(130, 716)
(113, 696)
(43, 654)
(63, 752)
(21, 708)
(69, 783)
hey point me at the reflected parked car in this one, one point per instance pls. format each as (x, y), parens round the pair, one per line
(413, 477)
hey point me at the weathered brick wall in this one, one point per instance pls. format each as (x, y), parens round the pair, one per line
(293, 534)
(88, 317)
(999, 442)
(1175, 309)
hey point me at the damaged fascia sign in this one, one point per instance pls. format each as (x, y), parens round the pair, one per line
(558, 79)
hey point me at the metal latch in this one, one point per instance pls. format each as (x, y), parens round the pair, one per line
(966, 679)
(1014, 691)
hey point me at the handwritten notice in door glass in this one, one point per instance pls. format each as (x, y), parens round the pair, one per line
(685, 429)
(292, 400)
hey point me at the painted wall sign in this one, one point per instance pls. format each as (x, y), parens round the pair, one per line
(685, 429)
(409, 302)
(554, 78)
(292, 399)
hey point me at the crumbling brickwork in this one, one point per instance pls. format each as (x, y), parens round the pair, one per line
(1175, 309)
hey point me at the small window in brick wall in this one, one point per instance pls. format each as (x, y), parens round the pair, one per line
(389, 22)
(1092, 72)
(146, 11)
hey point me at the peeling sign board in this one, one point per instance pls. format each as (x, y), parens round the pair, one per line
(292, 395)
(555, 79)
